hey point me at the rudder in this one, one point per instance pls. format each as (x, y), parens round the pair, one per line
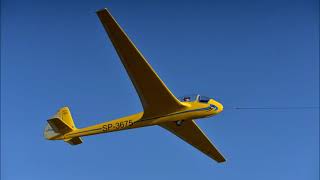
(65, 115)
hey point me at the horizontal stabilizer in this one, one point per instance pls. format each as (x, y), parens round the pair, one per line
(74, 141)
(59, 126)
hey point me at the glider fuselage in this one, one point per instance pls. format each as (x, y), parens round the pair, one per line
(193, 110)
(160, 106)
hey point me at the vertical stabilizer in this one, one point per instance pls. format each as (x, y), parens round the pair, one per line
(60, 124)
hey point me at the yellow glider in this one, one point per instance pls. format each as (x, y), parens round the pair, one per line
(160, 106)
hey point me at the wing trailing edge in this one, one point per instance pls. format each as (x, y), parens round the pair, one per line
(189, 131)
(154, 95)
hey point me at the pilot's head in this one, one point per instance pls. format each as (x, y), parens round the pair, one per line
(186, 99)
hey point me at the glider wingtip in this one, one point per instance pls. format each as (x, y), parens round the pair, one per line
(102, 10)
(220, 160)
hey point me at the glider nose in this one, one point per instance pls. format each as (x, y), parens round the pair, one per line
(220, 107)
(216, 106)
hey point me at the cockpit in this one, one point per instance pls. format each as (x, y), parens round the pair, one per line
(194, 97)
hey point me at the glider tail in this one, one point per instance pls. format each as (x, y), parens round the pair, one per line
(60, 124)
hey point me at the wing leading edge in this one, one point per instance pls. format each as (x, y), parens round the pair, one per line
(154, 95)
(192, 134)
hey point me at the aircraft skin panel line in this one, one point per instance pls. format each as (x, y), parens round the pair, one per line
(160, 106)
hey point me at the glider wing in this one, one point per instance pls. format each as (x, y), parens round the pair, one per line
(154, 95)
(192, 134)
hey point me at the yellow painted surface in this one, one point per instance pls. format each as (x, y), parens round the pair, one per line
(194, 111)
(160, 106)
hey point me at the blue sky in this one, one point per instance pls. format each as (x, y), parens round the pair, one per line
(248, 53)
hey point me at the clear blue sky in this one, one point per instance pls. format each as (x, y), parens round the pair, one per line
(242, 53)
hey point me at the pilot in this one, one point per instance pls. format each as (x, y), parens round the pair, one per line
(186, 99)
